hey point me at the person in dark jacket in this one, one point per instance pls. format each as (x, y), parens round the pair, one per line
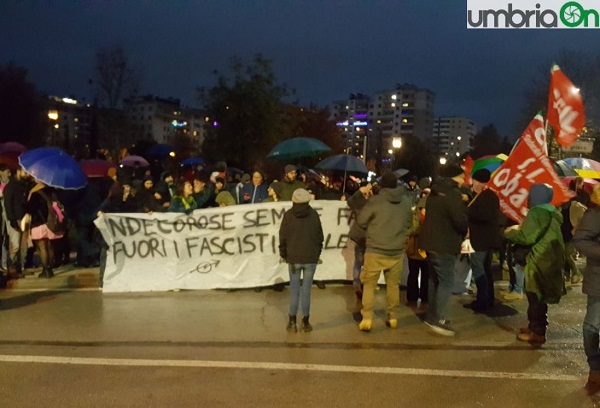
(38, 207)
(543, 269)
(387, 219)
(587, 242)
(483, 214)
(356, 202)
(300, 245)
(148, 197)
(255, 191)
(441, 236)
(290, 183)
(15, 203)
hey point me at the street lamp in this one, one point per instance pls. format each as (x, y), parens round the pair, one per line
(396, 144)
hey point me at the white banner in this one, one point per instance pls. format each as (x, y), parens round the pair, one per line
(229, 247)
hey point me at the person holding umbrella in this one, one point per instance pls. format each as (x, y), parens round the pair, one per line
(42, 199)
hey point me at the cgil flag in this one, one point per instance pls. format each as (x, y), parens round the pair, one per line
(565, 108)
(526, 165)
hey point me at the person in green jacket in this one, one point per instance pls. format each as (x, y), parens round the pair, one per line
(290, 183)
(184, 200)
(541, 229)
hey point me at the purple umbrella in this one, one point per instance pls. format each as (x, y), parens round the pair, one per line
(132, 161)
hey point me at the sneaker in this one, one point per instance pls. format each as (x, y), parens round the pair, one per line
(320, 284)
(531, 337)
(391, 323)
(365, 325)
(513, 296)
(576, 279)
(441, 327)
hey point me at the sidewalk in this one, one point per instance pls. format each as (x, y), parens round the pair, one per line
(67, 277)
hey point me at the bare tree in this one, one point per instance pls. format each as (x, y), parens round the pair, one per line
(117, 80)
(115, 76)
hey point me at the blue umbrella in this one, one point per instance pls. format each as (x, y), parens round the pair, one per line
(297, 147)
(53, 167)
(160, 150)
(343, 162)
(192, 161)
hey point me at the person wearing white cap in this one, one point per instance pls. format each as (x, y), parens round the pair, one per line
(300, 245)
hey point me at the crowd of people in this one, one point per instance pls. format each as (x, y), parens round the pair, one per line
(449, 232)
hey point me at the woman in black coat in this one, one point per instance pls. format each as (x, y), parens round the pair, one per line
(42, 200)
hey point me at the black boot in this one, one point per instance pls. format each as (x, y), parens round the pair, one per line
(306, 326)
(46, 273)
(291, 326)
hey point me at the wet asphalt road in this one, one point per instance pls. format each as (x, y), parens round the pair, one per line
(80, 348)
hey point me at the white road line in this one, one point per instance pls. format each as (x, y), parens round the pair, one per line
(283, 366)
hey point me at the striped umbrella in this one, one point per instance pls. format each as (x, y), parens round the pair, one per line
(490, 163)
(586, 168)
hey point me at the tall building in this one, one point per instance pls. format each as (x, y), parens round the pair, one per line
(164, 120)
(351, 117)
(452, 135)
(70, 123)
(371, 123)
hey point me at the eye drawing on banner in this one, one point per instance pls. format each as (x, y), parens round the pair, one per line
(205, 267)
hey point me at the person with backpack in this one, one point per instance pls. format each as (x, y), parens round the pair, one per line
(47, 224)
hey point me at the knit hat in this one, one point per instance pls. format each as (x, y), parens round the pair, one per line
(277, 187)
(289, 168)
(451, 170)
(540, 194)
(301, 196)
(424, 183)
(481, 175)
(388, 180)
(245, 178)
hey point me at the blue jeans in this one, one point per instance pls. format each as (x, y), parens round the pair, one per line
(591, 330)
(482, 274)
(301, 290)
(441, 280)
(519, 283)
(462, 275)
(359, 261)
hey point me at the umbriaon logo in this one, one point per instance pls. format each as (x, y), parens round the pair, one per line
(532, 14)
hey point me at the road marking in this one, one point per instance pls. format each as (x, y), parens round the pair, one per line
(283, 366)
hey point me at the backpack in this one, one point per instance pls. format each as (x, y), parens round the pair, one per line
(56, 220)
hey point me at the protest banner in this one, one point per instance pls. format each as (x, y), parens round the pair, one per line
(228, 247)
(526, 165)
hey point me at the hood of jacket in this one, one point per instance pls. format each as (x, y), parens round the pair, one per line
(301, 210)
(539, 194)
(393, 195)
(442, 185)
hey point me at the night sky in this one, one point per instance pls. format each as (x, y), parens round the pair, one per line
(325, 50)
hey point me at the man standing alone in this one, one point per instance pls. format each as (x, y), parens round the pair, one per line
(386, 218)
(442, 232)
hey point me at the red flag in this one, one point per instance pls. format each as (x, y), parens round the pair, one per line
(467, 166)
(527, 164)
(565, 108)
